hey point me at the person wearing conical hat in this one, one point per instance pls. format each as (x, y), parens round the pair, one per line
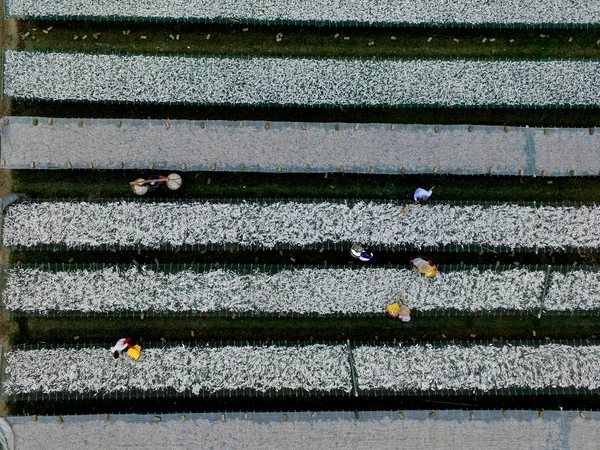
(427, 268)
(399, 309)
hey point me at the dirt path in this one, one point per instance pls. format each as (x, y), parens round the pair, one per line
(9, 38)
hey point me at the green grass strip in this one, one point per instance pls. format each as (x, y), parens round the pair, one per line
(115, 184)
(307, 41)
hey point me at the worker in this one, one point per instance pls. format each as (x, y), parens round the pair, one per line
(360, 252)
(155, 184)
(121, 345)
(428, 268)
(422, 194)
(399, 309)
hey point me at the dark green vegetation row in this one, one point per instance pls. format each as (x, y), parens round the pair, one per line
(575, 118)
(157, 405)
(260, 40)
(115, 184)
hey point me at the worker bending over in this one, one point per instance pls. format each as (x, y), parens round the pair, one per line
(422, 194)
(121, 345)
(360, 252)
(400, 309)
(427, 268)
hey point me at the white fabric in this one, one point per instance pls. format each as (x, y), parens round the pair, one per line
(420, 193)
(119, 346)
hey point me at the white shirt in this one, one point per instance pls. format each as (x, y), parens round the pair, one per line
(355, 253)
(119, 346)
(420, 193)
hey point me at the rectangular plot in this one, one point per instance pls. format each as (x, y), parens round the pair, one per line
(485, 368)
(190, 369)
(574, 290)
(283, 146)
(560, 150)
(291, 224)
(300, 81)
(290, 291)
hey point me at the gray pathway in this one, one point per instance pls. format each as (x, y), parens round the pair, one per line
(295, 147)
(450, 429)
(365, 12)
